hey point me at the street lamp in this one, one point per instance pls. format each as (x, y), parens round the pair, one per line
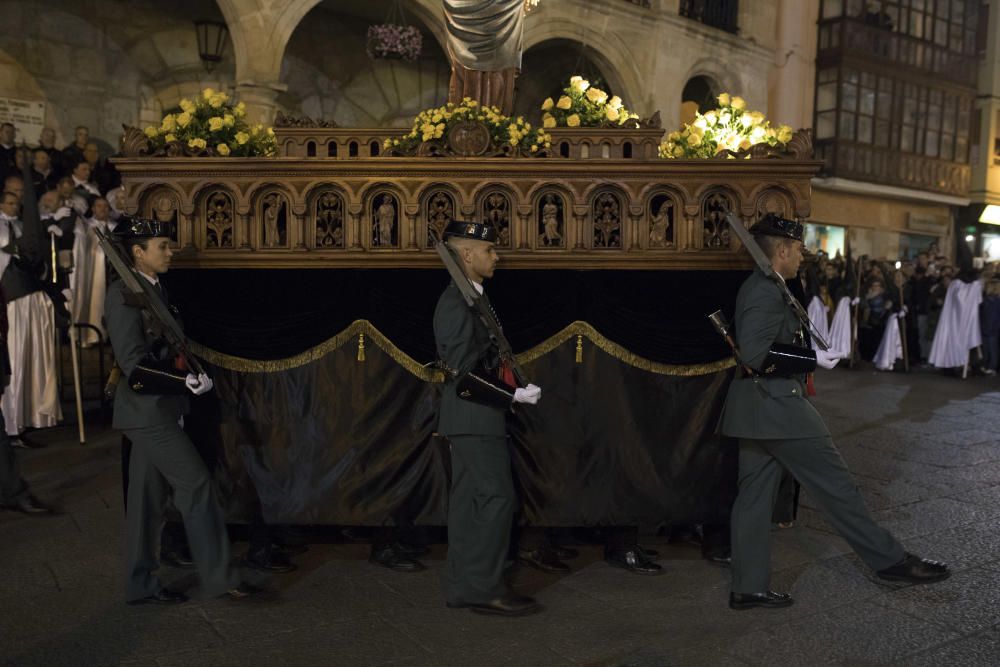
(211, 42)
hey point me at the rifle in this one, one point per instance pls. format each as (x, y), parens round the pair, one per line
(764, 264)
(478, 304)
(161, 322)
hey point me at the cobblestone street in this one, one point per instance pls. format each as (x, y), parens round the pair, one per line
(924, 447)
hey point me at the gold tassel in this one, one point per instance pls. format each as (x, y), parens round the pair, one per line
(361, 347)
(579, 348)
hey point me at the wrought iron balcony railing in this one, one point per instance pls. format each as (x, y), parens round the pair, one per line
(721, 14)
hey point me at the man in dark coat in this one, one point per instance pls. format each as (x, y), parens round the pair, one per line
(474, 406)
(779, 429)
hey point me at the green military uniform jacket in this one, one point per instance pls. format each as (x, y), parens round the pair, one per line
(131, 343)
(767, 407)
(463, 344)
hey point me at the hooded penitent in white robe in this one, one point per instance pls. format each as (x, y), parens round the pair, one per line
(88, 281)
(817, 315)
(840, 329)
(891, 347)
(958, 327)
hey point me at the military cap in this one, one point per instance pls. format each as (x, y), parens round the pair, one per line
(466, 229)
(134, 227)
(774, 225)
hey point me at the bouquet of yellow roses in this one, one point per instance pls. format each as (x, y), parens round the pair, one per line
(508, 132)
(583, 105)
(731, 127)
(211, 126)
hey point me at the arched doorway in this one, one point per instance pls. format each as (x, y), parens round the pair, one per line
(547, 67)
(330, 76)
(699, 95)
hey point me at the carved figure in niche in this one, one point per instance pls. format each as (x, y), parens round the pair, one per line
(165, 211)
(551, 220)
(385, 220)
(219, 220)
(439, 214)
(329, 221)
(607, 222)
(659, 225)
(496, 211)
(271, 210)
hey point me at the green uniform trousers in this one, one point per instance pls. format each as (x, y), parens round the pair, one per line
(12, 487)
(821, 471)
(164, 458)
(480, 514)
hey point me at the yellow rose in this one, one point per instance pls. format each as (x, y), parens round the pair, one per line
(612, 113)
(700, 123)
(216, 100)
(222, 149)
(784, 134)
(215, 123)
(695, 137)
(757, 117)
(228, 120)
(197, 143)
(724, 100)
(547, 104)
(711, 117)
(548, 120)
(270, 131)
(746, 121)
(678, 151)
(757, 135)
(725, 117)
(579, 84)
(597, 95)
(169, 123)
(673, 136)
(472, 103)
(170, 137)
(573, 121)
(564, 103)
(151, 131)
(615, 103)
(437, 117)
(183, 119)
(745, 144)
(240, 110)
(207, 93)
(242, 138)
(739, 103)
(186, 105)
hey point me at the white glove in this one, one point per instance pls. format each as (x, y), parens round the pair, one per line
(68, 295)
(54, 229)
(79, 205)
(198, 384)
(827, 359)
(61, 212)
(529, 394)
(855, 301)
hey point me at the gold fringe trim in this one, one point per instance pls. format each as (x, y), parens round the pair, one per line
(366, 333)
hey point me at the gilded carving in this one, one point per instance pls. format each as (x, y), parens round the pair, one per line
(329, 217)
(439, 211)
(219, 220)
(713, 210)
(606, 213)
(496, 209)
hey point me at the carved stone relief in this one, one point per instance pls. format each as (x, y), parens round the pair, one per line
(495, 208)
(162, 206)
(273, 211)
(661, 221)
(439, 210)
(713, 210)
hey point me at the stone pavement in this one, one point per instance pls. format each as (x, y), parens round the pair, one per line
(924, 447)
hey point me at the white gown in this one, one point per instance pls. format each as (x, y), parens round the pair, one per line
(840, 329)
(88, 281)
(958, 327)
(891, 346)
(32, 397)
(817, 315)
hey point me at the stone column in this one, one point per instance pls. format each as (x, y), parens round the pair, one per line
(261, 100)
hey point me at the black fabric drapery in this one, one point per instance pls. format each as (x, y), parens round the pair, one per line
(275, 314)
(342, 441)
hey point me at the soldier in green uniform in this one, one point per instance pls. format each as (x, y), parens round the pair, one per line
(779, 428)
(474, 406)
(148, 409)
